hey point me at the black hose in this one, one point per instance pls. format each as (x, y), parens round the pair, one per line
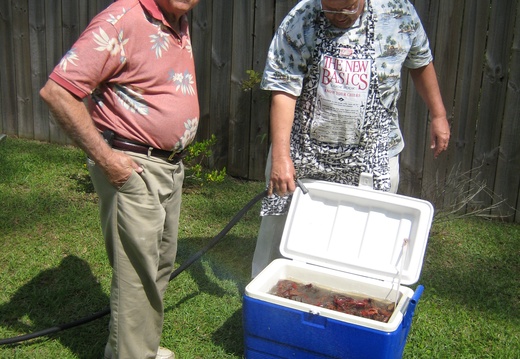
(219, 236)
(174, 274)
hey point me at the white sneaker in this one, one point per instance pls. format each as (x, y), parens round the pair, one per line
(163, 353)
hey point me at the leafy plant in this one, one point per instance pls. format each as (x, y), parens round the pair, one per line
(198, 152)
(254, 79)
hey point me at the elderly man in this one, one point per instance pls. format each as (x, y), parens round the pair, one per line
(334, 70)
(135, 67)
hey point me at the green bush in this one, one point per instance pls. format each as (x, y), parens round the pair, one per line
(195, 171)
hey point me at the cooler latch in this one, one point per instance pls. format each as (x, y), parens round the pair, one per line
(366, 180)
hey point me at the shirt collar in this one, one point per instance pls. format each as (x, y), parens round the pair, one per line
(152, 7)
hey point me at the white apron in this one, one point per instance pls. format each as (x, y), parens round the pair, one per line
(341, 128)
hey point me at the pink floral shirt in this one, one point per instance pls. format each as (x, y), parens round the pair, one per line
(138, 74)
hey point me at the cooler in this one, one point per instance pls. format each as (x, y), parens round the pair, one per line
(346, 239)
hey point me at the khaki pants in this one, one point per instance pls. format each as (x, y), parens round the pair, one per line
(140, 226)
(271, 227)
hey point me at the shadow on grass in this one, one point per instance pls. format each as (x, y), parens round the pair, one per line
(230, 261)
(230, 335)
(51, 299)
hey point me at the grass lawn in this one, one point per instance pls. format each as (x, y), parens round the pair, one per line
(53, 269)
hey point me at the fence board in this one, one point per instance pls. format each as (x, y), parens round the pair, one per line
(92, 10)
(202, 23)
(8, 111)
(507, 180)
(469, 78)
(220, 73)
(494, 88)
(82, 20)
(70, 30)
(38, 66)
(240, 100)
(70, 22)
(259, 137)
(54, 52)
(22, 68)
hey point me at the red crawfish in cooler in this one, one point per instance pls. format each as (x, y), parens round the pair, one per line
(310, 294)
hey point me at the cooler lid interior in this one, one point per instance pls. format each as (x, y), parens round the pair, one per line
(360, 231)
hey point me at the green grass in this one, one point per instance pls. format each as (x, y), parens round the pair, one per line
(53, 269)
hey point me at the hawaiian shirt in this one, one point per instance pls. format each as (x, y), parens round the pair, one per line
(138, 74)
(400, 40)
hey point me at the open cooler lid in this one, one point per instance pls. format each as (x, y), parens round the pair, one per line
(360, 231)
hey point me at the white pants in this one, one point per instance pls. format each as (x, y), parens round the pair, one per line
(271, 227)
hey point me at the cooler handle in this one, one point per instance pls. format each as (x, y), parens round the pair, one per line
(409, 311)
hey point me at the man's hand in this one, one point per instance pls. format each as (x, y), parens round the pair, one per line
(283, 176)
(118, 168)
(440, 135)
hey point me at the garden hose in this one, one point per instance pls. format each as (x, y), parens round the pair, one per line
(174, 274)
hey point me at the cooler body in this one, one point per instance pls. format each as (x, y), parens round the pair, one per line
(276, 327)
(272, 331)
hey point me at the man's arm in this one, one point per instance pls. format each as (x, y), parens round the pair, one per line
(283, 175)
(425, 80)
(73, 117)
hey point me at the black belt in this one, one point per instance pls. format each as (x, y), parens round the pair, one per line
(125, 145)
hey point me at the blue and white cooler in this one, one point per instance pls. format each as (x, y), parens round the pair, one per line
(348, 240)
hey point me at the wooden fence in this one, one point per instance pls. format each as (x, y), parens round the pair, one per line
(476, 45)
